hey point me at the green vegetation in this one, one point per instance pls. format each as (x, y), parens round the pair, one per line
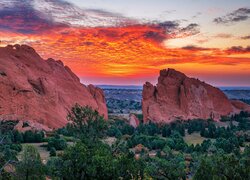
(195, 149)
(56, 143)
(222, 166)
(52, 151)
(30, 165)
(122, 106)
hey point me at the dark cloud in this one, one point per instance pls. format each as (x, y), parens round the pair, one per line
(23, 18)
(37, 16)
(29, 16)
(170, 29)
(238, 50)
(195, 48)
(238, 15)
(155, 36)
(168, 24)
(190, 30)
(174, 28)
(245, 37)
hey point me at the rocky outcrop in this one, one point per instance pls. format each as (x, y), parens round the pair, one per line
(177, 96)
(134, 121)
(41, 91)
(240, 106)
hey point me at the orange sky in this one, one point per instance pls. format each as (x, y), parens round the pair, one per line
(134, 53)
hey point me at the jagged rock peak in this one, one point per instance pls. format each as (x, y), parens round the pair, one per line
(177, 96)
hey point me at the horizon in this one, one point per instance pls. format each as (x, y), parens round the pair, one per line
(124, 43)
(111, 86)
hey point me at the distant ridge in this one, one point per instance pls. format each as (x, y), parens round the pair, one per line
(223, 88)
(234, 88)
(119, 87)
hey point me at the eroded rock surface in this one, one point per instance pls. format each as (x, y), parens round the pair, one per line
(41, 91)
(134, 121)
(177, 96)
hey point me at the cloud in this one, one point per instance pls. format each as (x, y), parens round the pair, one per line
(202, 40)
(34, 16)
(23, 18)
(245, 37)
(223, 35)
(195, 48)
(190, 30)
(238, 15)
(173, 29)
(67, 13)
(238, 50)
(168, 26)
(42, 16)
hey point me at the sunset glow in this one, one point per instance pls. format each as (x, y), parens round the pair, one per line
(130, 50)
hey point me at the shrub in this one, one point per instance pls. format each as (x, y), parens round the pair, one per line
(52, 151)
(57, 143)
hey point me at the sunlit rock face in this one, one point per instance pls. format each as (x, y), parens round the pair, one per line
(41, 91)
(134, 121)
(177, 96)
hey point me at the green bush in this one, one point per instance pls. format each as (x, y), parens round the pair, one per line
(33, 137)
(52, 152)
(56, 142)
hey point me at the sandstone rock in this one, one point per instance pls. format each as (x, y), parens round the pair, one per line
(240, 106)
(177, 96)
(134, 121)
(41, 91)
(31, 126)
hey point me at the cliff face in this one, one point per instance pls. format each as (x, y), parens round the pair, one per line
(39, 91)
(177, 96)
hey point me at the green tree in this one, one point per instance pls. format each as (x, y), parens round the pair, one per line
(89, 162)
(8, 154)
(114, 132)
(38, 137)
(168, 168)
(54, 167)
(52, 151)
(221, 166)
(88, 124)
(57, 142)
(28, 136)
(18, 136)
(30, 166)
(166, 130)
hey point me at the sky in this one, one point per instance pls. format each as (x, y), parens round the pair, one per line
(127, 42)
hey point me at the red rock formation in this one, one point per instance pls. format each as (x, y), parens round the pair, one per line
(177, 96)
(39, 91)
(240, 106)
(134, 121)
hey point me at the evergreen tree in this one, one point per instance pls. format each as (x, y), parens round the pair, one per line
(30, 166)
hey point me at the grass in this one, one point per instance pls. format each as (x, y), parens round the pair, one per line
(194, 138)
